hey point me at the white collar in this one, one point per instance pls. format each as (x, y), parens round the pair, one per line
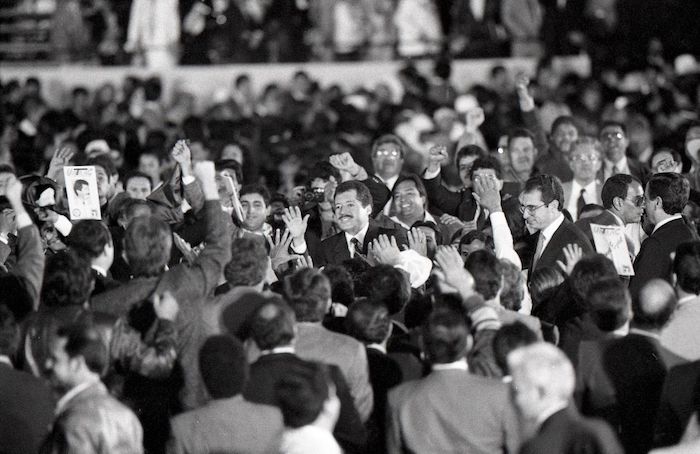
(590, 187)
(360, 237)
(686, 298)
(673, 217)
(548, 231)
(460, 364)
(623, 330)
(389, 182)
(287, 349)
(101, 271)
(643, 332)
(427, 217)
(67, 397)
(6, 359)
(621, 165)
(378, 347)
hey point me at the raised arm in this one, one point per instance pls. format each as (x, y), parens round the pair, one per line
(439, 196)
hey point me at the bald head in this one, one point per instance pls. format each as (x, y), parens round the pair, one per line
(654, 306)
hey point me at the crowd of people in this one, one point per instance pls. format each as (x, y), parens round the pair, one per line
(511, 269)
(615, 33)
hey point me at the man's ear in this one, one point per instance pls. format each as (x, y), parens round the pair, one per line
(368, 209)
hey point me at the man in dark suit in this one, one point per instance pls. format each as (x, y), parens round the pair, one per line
(613, 137)
(388, 153)
(676, 405)
(436, 413)
(665, 197)
(272, 330)
(541, 204)
(543, 381)
(623, 200)
(353, 207)
(26, 403)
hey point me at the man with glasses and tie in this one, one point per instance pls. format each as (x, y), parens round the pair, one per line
(613, 137)
(585, 160)
(541, 204)
(388, 154)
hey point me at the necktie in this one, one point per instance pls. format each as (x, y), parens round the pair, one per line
(357, 247)
(580, 203)
(538, 251)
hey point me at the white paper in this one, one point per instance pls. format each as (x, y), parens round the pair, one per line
(610, 240)
(81, 188)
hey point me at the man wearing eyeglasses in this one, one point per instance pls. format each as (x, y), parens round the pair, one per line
(585, 160)
(665, 197)
(541, 204)
(613, 137)
(388, 154)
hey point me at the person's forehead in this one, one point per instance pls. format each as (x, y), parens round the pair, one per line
(634, 189)
(612, 129)
(567, 128)
(521, 142)
(530, 197)
(584, 149)
(406, 185)
(252, 197)
(346, 196)
(467, 160)
(139, 181)
(388, 146)
(484, 171)
(661, 156)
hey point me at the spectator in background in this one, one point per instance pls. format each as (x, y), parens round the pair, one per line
(476, 30)
(523, 19)
(138, 185)
(585, 159)
(419, 32)
(554, 159)
(154, 32)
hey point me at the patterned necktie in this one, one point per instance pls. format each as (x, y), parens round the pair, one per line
(580, 203)
(357, 247)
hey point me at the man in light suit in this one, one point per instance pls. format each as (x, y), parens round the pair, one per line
(665, 197)
(228, 423)
(541, 204)
(543, 381)
(585, 161)
(439, 412)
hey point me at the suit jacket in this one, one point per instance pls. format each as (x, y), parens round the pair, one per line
(654, 258)
(567, 233)
(95, 422)
(439, 413)
(26, 411)
(636, 168)
(28, 270)
(676, 405)
(315, 343)
(103, 283)
(227, 425)
(189, 284)
(567, 194)
(384, 374)
(269, 369)
(566, 432)
(334, 250)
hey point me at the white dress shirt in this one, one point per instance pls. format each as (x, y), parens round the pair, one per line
(621, 165)
(589, 196)
(547, 233)
(360, 237)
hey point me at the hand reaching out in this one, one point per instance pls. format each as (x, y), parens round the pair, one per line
(344, 161)
(165, 306)
(61, 157)
(279, 249)
(296, 224)
(487, 193)
(437, 155)
(385, 250)
(572, 254)
(452, 267)
(183, 156)
(185, 248)
(527, 102)
(418, 242)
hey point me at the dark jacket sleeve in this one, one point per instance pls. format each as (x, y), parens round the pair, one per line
(30, 262)
(649, 264)
(349, 431)
(533, 124)
(380, 194)
(440, 197)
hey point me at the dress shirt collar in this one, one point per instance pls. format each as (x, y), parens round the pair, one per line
(576, 188)
(427, 217)
(666, 221)
(548, 231)
(623, 330)
(621, 165)
(4, 238)
(70, 395)
(6, 359)
(643, 332)
(389, 182)
(686, 299)
(360, 237)
(287, 349)
(378, 347)
(101, 271)
(460, 364)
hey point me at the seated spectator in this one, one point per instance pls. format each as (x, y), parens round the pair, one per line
(257, 428)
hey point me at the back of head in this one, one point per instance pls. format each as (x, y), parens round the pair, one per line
(544, 283)
(302, 393)
(223, 365)
(9, 332)
(385, 285)
(445, 336)
(610, 304)
(508, 338)
(14, 295)
(272, 324)
(587, 272)
(486, 271)
(68, 280)
(544, 367)
(131, 209)
(84, 340)
(248, 264)
(147, 243)
(89, 238)
(654, 305)
(342, 287)
(672, 188)
(368, 322)
(686, 267)
(308, 291)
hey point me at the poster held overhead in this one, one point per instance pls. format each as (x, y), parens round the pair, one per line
(81, 188)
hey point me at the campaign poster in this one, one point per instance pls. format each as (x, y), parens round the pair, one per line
(81, 188)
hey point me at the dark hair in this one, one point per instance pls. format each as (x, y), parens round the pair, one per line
(544, 284)
(384, 284)
(68, 280)
(549, 186)
(686, 266)
(674, 190)
(308, 292)
(128, 208)
(248, 263)
(469, 151)
(520, 133)
(368, 322)
(256, 188)
(230, 164)
(7, 168)
(79, 185)
(512, 293)
(474, 235)
(486, 162)
(342, 287)
(610, 302)
(9, 332)
(363, 194)
(616, 186)
(15, 296)
(445, 336)
(485, 269)
(89, 238)
(654, 305)
(323, 170)
(152, 88)
(389, 138)
(241, 78)
(508, 338)
(586, 274)
(417, 181)
(105, 162)
(563, 120)
(136, 174)
(223, 365)
(613, 124)
(147, 244)
(272, 324)
(301, 393)
(84, 340)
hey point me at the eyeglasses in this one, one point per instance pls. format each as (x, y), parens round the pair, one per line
(531, 208)
(591, 158)
(612, 135)
(388, 153)
(637, 201)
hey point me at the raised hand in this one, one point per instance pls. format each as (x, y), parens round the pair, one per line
(296, 224)
(418, 242)
(13, 191)
(61, 157)
(344, 161)
(437, 155)
(572, 254)
(385, 250)
(305, 262)
(182, 154)
(450, 220)
(487, 193)
(527, 102)
(475, 118)
(185, 248)
(452, 267)
(165, 306)
(279, 249)
(206, 174)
